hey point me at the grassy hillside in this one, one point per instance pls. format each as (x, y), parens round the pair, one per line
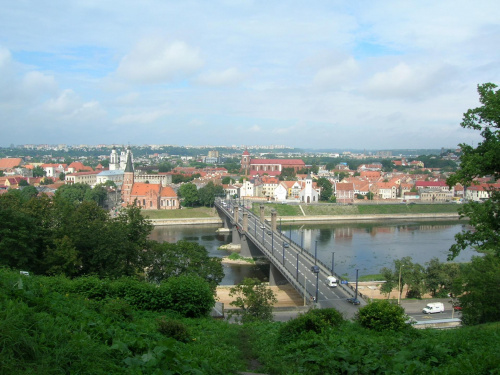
(373, 209)
(313, 210)
(43, 331)
(184, 213)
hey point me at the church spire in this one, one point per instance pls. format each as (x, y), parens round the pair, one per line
(129, 167)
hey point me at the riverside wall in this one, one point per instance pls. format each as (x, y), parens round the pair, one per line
(316, 218)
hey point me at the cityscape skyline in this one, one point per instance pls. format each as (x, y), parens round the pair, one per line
(324, 75)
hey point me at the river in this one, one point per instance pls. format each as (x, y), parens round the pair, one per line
(366, 246)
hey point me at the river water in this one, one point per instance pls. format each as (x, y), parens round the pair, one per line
(366, 246)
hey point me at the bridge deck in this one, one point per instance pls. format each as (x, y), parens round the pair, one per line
(293, 262)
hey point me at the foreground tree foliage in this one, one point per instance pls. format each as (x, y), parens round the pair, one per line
(54, 325)
(183, 258)
(382, 316)
(475, 162)
(66, 236)
(254, 300)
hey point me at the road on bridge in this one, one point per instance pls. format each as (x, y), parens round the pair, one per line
(295, 263)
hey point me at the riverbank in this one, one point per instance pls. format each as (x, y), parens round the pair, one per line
(316, 218)
(312, 213)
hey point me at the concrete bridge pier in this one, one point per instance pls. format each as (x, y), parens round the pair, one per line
(276, 277)
(273, 220)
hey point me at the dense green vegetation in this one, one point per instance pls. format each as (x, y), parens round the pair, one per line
(54, 325)
(67, 236)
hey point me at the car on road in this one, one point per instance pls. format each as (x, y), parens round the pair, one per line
(354, 301)
(269, 231)
(432, 308)
(286, 244)
(331, 281)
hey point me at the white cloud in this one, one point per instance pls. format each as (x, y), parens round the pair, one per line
(36, 83)
(405, 81)
(228, 77)
(336, 74)
(156, 61)
(127, 99)
(141, 118)
(69, 106)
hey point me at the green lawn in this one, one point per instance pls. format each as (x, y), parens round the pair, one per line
(318, 209)
(184, 213)
(332, 209)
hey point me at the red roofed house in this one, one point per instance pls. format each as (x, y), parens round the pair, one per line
(78, 166)
(145, 195)
(53, 170)
(271, 167)
(9, 163)
(481, 192)
(344, 192)
(436, 185)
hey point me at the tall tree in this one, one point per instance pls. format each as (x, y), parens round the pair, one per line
(254, 300)
(326, 188)
(480, 161)
(167, 260)
(478, 288)
(189, 194)
(38, 172)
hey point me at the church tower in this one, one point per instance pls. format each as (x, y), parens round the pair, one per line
(245, 162)
(124, 156)
(308, 189)
(114, 160)
(128, 180)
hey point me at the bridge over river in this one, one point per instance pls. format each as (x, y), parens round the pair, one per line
(290, 262)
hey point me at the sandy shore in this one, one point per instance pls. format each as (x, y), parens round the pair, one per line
(287, 296)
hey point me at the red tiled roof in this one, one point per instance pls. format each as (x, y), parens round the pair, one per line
(344, 186)
(430, 183)
(167, 191)
(142, 188)
(278, 161)
(7, 163)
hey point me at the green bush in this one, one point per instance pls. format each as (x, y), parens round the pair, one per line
(117, 309)
(174, 329)
(189, 295)
(315, 320)
(381, 315)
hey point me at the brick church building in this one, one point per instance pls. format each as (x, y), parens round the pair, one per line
(272, 167)
(145, 195)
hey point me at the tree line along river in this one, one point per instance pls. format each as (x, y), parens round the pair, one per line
(367, 246)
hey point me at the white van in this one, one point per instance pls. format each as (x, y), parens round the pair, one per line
(332, 281)
(431, 308)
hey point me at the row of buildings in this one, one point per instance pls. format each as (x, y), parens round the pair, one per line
(260, 179)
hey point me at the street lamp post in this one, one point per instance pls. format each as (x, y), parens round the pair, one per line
(333, 261)
(297, 274)
(272, 242)
(356, 295)
(301, 239)
(290, 232)
(315, 251)
(317, 286)
(399, 285)
(283, 247)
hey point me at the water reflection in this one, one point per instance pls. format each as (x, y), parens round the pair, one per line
(364, 246)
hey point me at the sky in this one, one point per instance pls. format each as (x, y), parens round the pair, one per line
(316, 74)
